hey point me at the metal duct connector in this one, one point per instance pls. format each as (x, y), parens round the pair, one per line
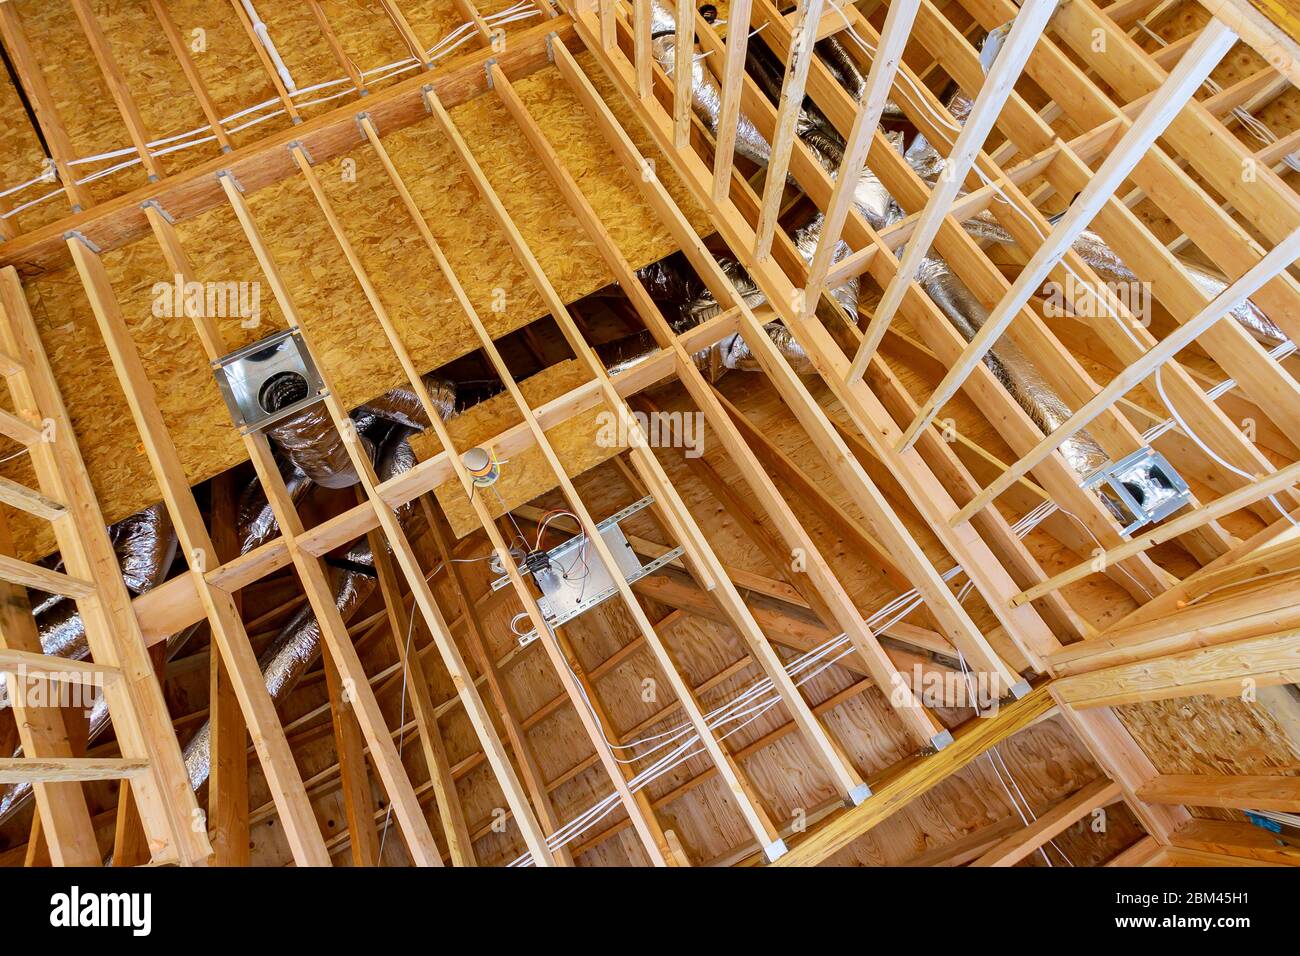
(1012, 367)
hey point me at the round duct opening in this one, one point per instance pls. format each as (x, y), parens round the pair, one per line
(282, 390)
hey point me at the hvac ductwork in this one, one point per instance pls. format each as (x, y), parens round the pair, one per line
(1009, 364)
(706, 95)
(681, 295)
(146, 545)
(1091, 248)
(387, 425)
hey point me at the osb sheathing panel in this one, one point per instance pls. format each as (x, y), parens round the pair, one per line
(525, 475)
(1214, 735)
(226, 61)
(350, 342)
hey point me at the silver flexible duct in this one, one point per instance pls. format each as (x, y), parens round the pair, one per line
(706, 95)
(1012, 367)
(400, 406)
(384, 424)
(674, 286)
(1092, 249)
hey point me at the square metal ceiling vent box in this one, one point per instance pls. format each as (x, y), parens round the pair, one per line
(269, 380)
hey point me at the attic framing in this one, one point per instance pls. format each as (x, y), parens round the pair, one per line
(1142, 131)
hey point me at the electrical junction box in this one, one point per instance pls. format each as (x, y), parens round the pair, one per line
(572, 578)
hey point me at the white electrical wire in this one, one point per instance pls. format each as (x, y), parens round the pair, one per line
(749, 705)
(1277, 353)
(522, 10)
(1244, 116)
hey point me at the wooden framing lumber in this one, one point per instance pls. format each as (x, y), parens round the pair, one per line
(561, 666)
(807, 19)
(1235, 840)
(729, 107)
(43, 731)
(905, 783)
(1262, 488)
(117, 86)
(729, 598)
(218, 606)
(69, 769)
(1236, 293)
(869, 417)
(1228, 669)
(1158, 113)
(688, 535)
(135, 702)
(1026, 29)
(47, 112)
(311, 571)
(1247, 792)
(1016, 846)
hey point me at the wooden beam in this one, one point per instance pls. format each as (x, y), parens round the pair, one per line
(880, 80)
(683, 66)
(32, 78)
(43, 731)
(136, 704)
(1225, 505)
(869, 417)
(1159, 112)
(965, 849)
(228, 742)
(1142, 853)
(1237, 840)
(1223, 670)
(807, 17)
(358, 801)
(450, 810)
(724, 146)
(311, 571)
(537, 844)
(1246, 792)
(905, 783)
(117, 86)
(1016, 846)
(889, 529)
(68, 769)
(688, 535)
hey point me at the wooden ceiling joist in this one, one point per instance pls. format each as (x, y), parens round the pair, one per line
(837, 472)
